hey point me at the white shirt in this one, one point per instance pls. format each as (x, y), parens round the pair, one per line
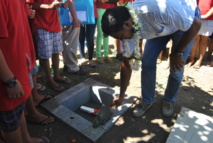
(163, 17)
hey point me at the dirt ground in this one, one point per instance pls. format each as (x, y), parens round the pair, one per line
(196, 93)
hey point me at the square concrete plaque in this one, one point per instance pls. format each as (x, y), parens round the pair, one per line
(65, 106)
(192, 127)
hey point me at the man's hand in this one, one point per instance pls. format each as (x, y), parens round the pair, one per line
(117, 101)
(177, 62)
(15, 92)
(55, 4)
(77, 23)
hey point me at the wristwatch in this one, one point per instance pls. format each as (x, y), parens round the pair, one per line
(11, 82)
(178, 53)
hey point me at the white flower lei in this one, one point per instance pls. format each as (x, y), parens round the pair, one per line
(135, 58)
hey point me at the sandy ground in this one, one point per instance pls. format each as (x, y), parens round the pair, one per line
(196, 93)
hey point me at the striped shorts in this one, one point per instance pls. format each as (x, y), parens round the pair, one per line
(48, 43)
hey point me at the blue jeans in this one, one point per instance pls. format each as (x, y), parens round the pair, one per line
(88, 32)
(153, 48)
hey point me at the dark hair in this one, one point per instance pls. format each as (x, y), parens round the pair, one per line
(113, 19)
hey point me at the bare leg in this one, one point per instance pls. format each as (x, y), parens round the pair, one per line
(46, 66)
(34, 115)
(25, 134)
(159, 60)
(209, 55)
(202, 49)
(55, 65)
(37, 98)
(13, 137)
(191, 59)
(2, 140)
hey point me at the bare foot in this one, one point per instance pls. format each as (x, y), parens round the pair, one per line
(197, 65)
(189, 64)
(40, 98)
(62, 79)
(40, 118)
(56, 87)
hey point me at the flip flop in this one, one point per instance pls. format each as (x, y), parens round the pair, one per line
(44, 140)
(46, 97)
(85, 63)
(40, 87)
(46, 121)
(93, 65)
(58, 88)
(65, 80)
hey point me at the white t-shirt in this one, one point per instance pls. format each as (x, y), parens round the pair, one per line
(163, 17)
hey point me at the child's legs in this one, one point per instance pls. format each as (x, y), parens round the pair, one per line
(45, 49)
(82, 40)
(10, 122)
(210, 48)
(57, 48)
(194, 49)
(70, 47)
(203, 43)
(90, 31)
(99, 33)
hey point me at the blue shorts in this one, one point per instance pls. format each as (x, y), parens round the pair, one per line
(48, 43)
(34, 71)
(10, 120)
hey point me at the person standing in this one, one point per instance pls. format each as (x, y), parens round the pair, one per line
(49, 39)
(15, 64)
(102, 6)
(88, 31)
(202, 38)
(70, 43)
(158, 22)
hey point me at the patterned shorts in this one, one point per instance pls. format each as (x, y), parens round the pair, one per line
(10, 120)
(48, 43)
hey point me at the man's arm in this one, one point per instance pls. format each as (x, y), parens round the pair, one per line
(5, 75)
(125, 75)
(76, 21)
(177, 61)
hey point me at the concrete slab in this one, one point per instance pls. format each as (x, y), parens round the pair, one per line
(65, 106)
(192, 127)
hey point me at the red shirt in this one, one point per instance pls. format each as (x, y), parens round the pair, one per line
(15, 43)
(46, 19)
(95, 10)
(205, 6)
(104, 5)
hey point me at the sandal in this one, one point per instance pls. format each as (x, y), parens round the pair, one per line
(93, 65)
(58, 88)
(40, 87)
(44, 140)
(45, 98)
(85, 63)
(100, 60)
(45, 121)
(63, 80)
